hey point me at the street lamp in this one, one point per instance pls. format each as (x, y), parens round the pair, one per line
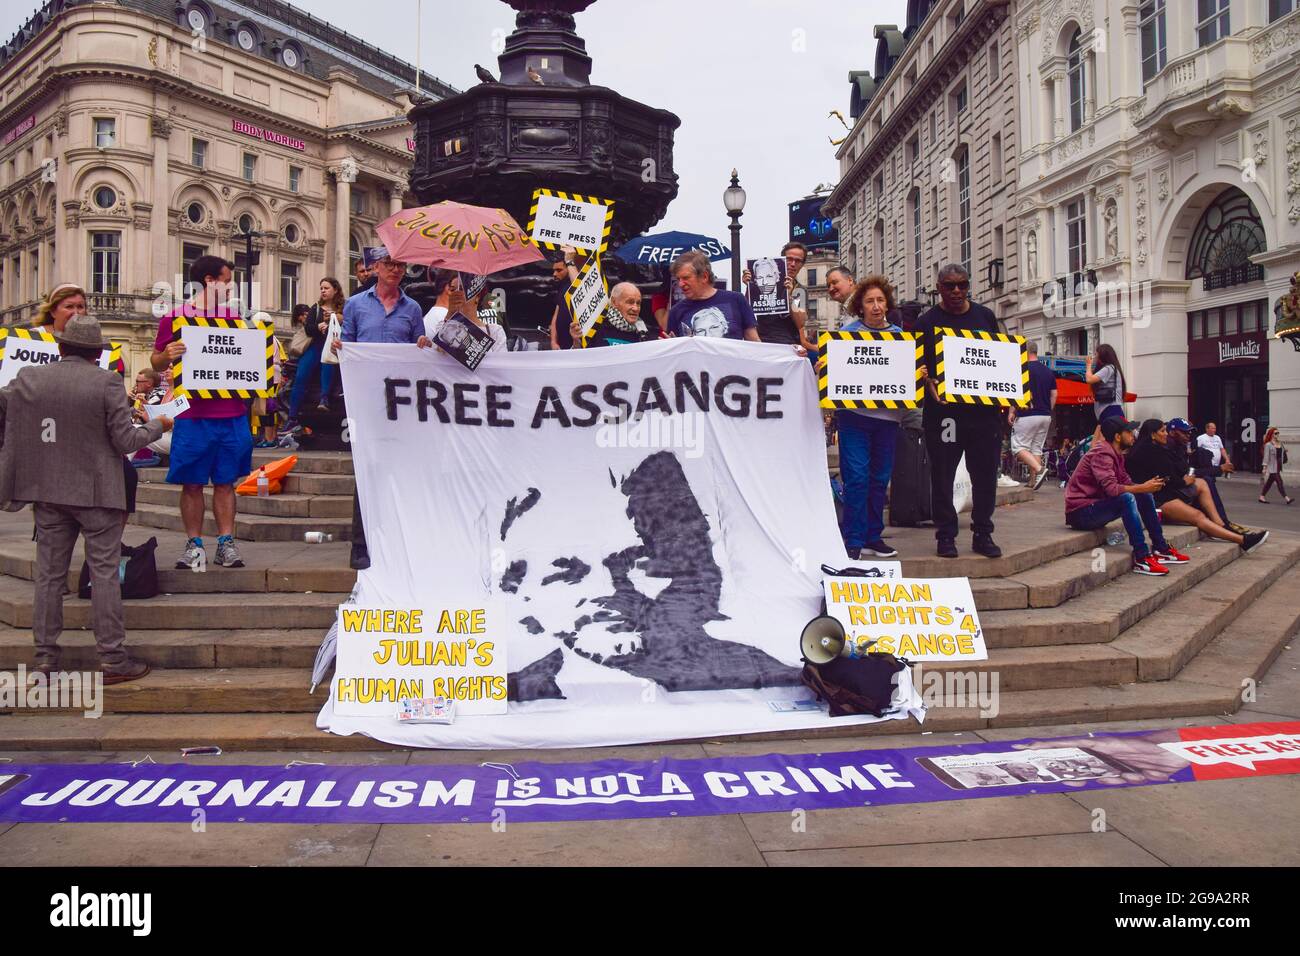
(251, 259)
(734, 200)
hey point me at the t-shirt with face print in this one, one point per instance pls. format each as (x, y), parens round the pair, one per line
(725, 314)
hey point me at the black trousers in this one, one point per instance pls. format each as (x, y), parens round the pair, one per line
(976, 432)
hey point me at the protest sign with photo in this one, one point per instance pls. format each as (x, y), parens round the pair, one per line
(463, 340)
(558, 219)
(867, 369)
(921, 619)
(20, 348)
(588, 298)
(224, 358)
(981, 368)
(767, 292)
(386, 654)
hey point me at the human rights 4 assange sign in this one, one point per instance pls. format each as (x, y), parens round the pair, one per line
(921, 619)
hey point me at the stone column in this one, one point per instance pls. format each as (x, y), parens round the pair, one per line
(396, 196)
(160, 267)
(345, 174)
(1059, 105)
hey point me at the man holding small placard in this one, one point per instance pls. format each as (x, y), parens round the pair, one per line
(954, 428)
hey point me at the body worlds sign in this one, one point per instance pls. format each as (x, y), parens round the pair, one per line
(268, 135)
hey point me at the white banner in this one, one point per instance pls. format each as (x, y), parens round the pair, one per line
(654, 576)
(20, 351)
(921, 619)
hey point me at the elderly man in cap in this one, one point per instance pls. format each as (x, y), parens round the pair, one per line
(66, 426)
(382, 313)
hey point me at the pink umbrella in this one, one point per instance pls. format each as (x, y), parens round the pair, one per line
(452, 235)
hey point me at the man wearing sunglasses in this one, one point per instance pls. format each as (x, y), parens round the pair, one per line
(952, 430)
(382, 313)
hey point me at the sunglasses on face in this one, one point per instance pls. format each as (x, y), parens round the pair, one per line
(955, 286)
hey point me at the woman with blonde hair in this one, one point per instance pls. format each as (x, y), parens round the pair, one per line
(1275, 457)
(59, 305)
(867, 437)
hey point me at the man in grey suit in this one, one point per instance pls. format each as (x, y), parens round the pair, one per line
(65, 428)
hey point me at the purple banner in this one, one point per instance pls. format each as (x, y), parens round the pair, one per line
(619, 789)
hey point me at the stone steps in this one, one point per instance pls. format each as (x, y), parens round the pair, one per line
(177, 649)
(248, 527)
(283, 505)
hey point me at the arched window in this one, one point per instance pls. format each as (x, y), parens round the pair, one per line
(1228, 234)
(1075, 71)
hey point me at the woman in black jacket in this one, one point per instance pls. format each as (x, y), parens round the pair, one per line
(1184, 499)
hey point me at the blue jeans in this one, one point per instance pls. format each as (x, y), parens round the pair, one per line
(307, 364)
(866, 462)
(1136, 510)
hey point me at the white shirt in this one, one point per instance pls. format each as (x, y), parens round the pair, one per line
(1215, 446)
(433, 318)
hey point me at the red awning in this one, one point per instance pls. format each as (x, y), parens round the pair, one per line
(1070, 392)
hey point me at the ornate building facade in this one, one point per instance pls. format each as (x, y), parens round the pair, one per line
(1159, 198)
(136, 135)
(928, 170)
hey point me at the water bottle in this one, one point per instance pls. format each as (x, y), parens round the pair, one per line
(263, 485)
(1116, 537)
(317, 537)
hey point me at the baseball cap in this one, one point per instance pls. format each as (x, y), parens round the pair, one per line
(1110, 427)
(371, 256)
(1179, 425)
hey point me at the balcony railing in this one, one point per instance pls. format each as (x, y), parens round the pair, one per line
(1236, 275)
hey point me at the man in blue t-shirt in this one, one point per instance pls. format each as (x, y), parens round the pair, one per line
(1029, 426)
(717, 313)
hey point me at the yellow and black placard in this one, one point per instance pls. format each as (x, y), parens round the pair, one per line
(558, 219)
(981, 368)
(178, 380)
(868, 369)
(588, 298)
(48, 350)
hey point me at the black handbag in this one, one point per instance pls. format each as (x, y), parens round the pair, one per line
(137, 572)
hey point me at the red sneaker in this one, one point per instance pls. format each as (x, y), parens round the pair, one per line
(1149, 565)
(1170, 555)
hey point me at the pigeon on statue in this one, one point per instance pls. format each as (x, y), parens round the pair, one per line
(483, 75)
(535, 77)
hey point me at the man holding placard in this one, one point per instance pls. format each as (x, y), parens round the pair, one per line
(955, 428)
(211, 441)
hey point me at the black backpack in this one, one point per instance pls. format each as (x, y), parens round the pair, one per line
(137, 572)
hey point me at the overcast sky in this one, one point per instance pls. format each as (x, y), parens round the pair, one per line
(752, 80)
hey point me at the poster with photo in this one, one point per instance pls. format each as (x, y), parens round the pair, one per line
(766, 290)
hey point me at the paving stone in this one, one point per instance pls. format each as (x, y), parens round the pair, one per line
(666, 841)
(1044, 731)
(1219, 822)
(1075, 849)
(176, 844)
(680, 751)
(975, 819)
(755, 748)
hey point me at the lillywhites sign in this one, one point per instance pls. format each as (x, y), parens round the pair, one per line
(1233, 351)
(268, 135)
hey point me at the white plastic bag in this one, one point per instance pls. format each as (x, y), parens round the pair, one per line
(962, 498)
(330, 357)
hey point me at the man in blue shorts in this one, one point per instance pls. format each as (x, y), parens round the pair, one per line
(211, 441)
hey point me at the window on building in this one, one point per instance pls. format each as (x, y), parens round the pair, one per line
(1229, 232)
(194, 212)
(995, 62)
(1151, 25)
(245, 224)
(1280, 8)
(916, 243)
(963, 209)
(105, 133)
(354, 256)
(1250, 317)
(199, 152)
(934, 207)
(957, 101)
(190, 252)
(934, 128)
(995, 158)
(1075, 71)
(288, 285)
(1076, 230)
(812, 278)
(999, 245)
(358, 202)
(878, 234)
(1229, 321)
(1212, 317)
(105, 261)
(105, 197)
(250, 167)
(1212, 23)
(958, 15)
(16, 278)
(812, 312)
(34, 256)
(913, 151)
(878, 188)
(295, 179)
(1198, 324)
